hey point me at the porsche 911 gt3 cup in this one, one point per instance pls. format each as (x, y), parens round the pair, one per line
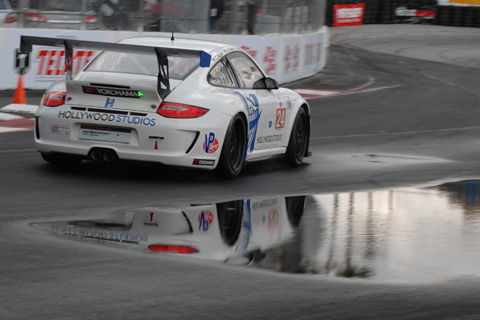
(186, 103)
(224, 231)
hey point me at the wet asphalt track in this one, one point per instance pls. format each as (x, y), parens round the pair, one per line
(416, 123)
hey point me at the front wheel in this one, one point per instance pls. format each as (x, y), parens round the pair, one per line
(297, 145)
(62, 159)
(233, 152)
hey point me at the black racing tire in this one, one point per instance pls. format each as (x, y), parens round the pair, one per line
(297, 145)
(60, 159)
(232, 158)
(230, 219)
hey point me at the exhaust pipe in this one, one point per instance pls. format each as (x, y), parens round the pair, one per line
(96, 155)
(109, 156)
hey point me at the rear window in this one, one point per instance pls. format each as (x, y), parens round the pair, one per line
(59, 5)
(3, 5)
(145, 64)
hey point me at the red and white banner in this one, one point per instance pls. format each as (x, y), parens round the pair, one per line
(348, 14)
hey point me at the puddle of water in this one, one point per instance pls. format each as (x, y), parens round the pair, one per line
(397, 235)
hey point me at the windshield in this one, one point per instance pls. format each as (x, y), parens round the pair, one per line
(145, 64)
(57, 5)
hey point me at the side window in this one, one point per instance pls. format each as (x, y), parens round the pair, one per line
(246, 70)
(221, 75)
(3, 5)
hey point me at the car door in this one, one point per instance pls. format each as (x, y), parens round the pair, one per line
(266, 124)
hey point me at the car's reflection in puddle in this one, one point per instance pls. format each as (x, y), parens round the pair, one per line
(406, 234)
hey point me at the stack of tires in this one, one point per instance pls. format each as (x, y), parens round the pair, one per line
(458, 16)
(329, 13)
(371, 11)
(443, 16)
(386, 11)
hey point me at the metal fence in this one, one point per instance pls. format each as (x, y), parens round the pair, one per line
(187, 16)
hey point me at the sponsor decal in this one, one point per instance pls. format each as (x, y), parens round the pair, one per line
(348, 14)
(211, 144)
(59, 129)
(112, 92)
(254, 113)
(100, 234)
(264, 204)
(405, 12)
(205, 219)
(289, 102)
(270, 123)
(51, 62)
(309, 54)
(292, 58)
(246, 232)
(269, 58)
(203, 162)
(250, 51)
(273, 220)
(270, 138)
(109, 103)
(280, 119)
(106, 117)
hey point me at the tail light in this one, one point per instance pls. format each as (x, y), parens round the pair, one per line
(33, 17)
(54, 99)
(91, 19)
(172, 249)
(11, 18)
(176, 110)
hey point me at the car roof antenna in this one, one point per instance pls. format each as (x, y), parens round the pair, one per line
(173, 38)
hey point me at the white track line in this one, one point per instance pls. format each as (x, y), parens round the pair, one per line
(20, 108)
(316, 92)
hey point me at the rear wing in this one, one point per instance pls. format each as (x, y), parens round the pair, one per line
(162, 53)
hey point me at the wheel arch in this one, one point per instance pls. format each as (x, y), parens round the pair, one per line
(306, 107)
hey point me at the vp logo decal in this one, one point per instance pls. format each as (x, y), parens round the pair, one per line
(205, 219)
(211, 144)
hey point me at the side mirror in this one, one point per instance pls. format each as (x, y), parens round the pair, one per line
(271, 84)
(266, 83)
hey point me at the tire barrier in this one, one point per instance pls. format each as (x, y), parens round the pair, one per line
(411, 11)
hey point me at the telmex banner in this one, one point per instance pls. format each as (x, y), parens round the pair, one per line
(345, 15)
(285, 58)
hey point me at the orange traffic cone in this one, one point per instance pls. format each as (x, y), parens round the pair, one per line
(20, 96)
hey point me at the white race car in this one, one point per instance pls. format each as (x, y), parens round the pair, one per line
(227, 231)
(186, 103)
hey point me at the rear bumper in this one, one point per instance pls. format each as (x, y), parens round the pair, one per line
(176, 142)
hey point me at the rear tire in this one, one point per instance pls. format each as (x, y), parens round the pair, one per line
(62, 159)
(297, 145)
(233, 152)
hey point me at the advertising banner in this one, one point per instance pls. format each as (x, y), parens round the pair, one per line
(345, 15)
(285, 57)
(415, 14)
(292, 48)
(263, 49)
(47, 64)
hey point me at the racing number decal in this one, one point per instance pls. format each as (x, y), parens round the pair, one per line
(280, 119)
